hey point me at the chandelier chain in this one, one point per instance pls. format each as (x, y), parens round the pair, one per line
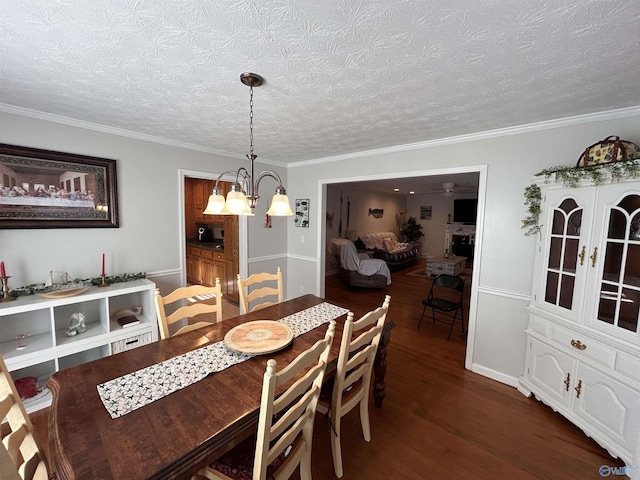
(251, 120)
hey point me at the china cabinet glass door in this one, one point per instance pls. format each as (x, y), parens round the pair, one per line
(568, 224)
(617, 302)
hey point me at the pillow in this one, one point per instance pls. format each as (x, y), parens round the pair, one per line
(390, 244)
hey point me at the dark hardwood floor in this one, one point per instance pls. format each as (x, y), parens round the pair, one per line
(439, 420)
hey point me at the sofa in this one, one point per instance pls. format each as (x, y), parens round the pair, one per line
(358, 270)
(385, 246)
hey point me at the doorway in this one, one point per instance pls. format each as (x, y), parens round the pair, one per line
(218, 253)
(426, 175)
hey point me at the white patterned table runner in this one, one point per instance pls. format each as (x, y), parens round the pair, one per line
(125, 394)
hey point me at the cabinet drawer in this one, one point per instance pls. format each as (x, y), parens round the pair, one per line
(629, 366)
(593, 350)
(207, 254)
(194, 251)
(218, 256)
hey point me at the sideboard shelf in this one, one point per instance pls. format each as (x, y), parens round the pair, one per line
(48, 348)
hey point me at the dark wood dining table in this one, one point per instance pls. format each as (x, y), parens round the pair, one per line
(176, 435)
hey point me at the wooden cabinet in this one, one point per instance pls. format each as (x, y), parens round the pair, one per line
(47, 348)
(207, 276)
(194, 266)
(198, 200)
(219, 269)
(204, 265)
(196, 197)
(203, 268)
(583, 338)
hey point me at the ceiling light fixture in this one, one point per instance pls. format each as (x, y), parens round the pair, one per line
(243, 196)
(448, 189)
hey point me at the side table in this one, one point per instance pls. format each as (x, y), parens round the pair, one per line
(449, 266)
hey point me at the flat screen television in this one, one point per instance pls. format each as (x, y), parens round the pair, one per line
(465, 210)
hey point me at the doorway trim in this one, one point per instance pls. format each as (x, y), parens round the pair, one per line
(482, 188)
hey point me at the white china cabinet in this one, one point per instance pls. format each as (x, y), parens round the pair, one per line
(583, 337)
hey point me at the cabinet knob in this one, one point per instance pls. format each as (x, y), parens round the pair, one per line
(567, 381)
(594, 256)
(578, 344)
(578, 389)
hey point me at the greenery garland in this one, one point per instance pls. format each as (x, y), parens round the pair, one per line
(39, 287)
(572, 177)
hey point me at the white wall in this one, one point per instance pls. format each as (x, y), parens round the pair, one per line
(504, 269)
(150, 237)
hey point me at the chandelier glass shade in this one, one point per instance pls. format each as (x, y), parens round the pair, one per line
(243, 196)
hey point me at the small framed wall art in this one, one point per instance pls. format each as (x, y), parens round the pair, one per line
(425, 212)
(301, 218)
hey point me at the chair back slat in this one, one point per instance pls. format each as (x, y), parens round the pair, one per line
(182, 299)
(251, 290)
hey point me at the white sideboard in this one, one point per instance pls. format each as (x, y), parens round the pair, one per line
(46, 347)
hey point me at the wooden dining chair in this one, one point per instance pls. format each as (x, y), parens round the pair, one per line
(196, 300)
(260, 286)
(27, 461)
(350, 386)
(285, 425)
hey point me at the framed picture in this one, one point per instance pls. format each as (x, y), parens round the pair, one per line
(425, 212)
(301, 218)
(45, 189)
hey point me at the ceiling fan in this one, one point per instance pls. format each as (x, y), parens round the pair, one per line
(448, 189)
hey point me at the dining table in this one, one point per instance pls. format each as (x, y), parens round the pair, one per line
(174, 436)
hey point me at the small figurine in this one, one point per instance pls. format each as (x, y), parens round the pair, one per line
(76, 325)
(20, 337)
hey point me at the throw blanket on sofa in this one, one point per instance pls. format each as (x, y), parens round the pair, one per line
(385, 246)
(386, 241)
(349, 260)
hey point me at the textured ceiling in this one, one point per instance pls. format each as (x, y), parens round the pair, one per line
(341, 76)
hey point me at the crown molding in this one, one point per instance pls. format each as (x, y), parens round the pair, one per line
(96, 127)
(500, 132)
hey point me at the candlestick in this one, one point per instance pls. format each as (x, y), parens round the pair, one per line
(103, 265)
(104, 281)
(5, 290)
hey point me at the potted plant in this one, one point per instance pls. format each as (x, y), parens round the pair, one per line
(411, 231)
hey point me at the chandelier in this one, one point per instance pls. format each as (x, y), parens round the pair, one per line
(243, 194)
